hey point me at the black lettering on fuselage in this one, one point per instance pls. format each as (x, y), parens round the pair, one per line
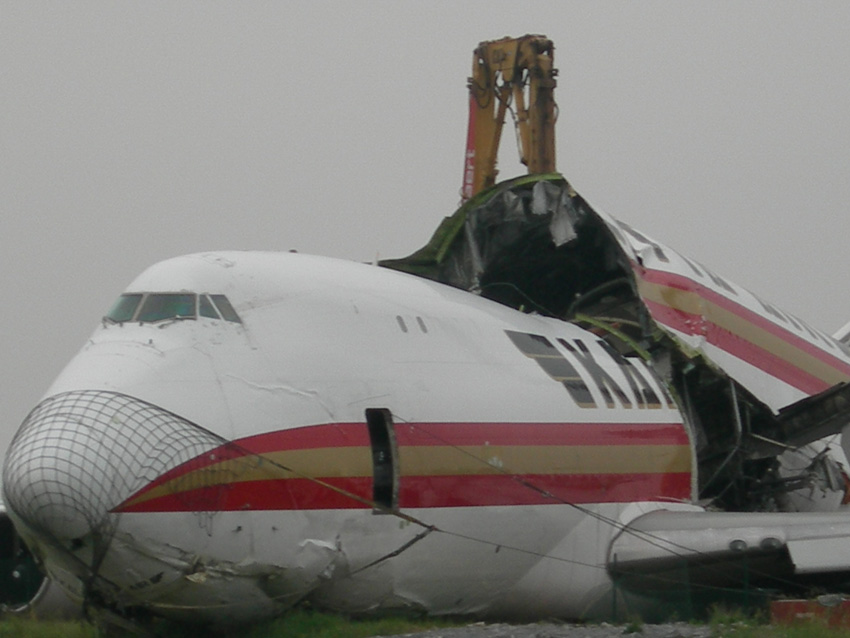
(771, 310)
(692, 265)
(656, 248)
(559, 366)
(603, 380)
(554, 363)
(807, 328)
(801, 325)
(645, 394)
(717, 279)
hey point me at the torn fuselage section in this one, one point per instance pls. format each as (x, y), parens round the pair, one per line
(535, 245)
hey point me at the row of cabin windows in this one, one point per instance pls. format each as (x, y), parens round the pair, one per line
(154, 306)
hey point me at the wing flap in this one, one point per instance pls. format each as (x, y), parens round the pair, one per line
(667, 550)
(816, 416)
(820, 555)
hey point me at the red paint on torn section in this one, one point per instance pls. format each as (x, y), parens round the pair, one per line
(735, 345)
(744, 350)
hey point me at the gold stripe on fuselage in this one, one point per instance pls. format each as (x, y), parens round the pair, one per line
(692, 303)
(434, 461)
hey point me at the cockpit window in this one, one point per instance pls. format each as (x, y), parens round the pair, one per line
(154, 306)
(158, 307)
(206, 309)
(124, 308)
(223, 304)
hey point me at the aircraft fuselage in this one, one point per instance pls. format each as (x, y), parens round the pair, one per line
(353, 436)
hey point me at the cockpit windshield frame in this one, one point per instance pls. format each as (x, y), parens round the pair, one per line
(156, 307)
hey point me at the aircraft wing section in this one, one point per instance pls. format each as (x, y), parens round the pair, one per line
(665, 551)
(815, 417)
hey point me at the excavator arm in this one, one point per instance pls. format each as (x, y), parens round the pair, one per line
(515, 73)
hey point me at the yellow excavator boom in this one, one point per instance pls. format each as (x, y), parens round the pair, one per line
(516, 74)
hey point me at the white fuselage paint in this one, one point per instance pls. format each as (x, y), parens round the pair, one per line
(321, 341)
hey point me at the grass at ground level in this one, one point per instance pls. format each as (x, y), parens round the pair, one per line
(296, 624)
(736, 624)
(22, 628)
(312, 624)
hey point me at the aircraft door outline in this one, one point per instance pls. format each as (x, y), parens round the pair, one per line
(385, 470)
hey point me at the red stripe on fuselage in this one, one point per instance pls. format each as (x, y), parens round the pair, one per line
(426, 491)
(422, 434)
(304, 493)
(744, 350)
(735, 345)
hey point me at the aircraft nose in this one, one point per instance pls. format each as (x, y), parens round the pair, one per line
(80, 454)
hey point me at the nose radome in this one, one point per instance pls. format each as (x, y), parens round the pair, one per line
(80, 454)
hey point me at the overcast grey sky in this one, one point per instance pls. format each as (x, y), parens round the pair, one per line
(136, 131)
